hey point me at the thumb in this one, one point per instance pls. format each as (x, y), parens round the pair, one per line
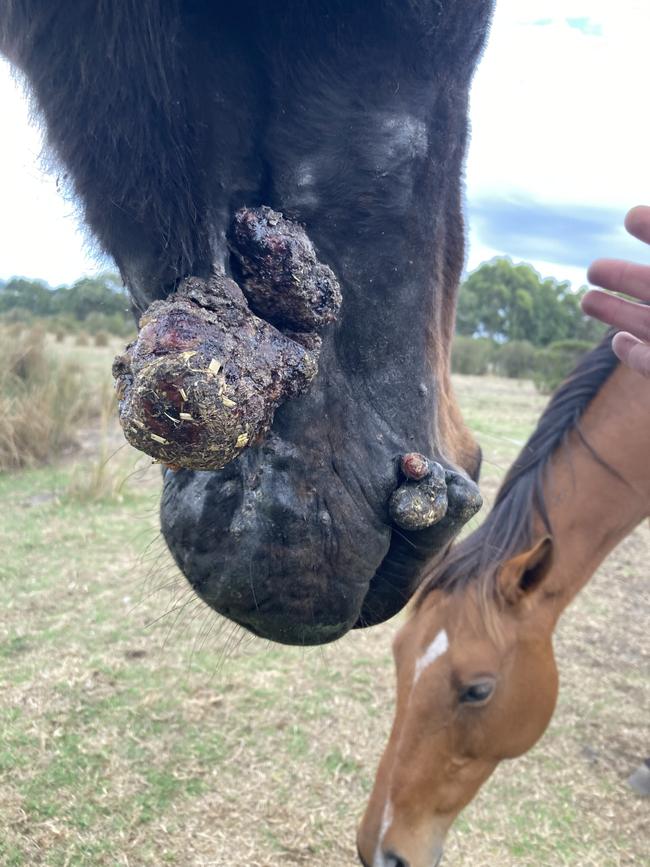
(632, 352)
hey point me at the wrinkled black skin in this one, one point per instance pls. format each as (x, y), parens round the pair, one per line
(167, 117)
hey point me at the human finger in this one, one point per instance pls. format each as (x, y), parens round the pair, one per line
(632, 352)
(621, 276)
(637, 223)
(622, 314)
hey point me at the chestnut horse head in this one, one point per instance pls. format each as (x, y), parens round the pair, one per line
(171, 117)
(476, 675)
(476, 684)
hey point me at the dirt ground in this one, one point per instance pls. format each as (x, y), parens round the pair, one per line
(138, 729)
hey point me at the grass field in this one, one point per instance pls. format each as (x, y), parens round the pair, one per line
(137, 729)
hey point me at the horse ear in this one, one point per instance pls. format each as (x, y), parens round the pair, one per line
(523, 575)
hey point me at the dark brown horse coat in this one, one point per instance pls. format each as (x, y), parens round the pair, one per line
(166, 117)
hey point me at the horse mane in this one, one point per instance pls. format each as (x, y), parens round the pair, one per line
(508, 528)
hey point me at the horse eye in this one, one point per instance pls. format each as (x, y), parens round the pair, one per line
(477, 693)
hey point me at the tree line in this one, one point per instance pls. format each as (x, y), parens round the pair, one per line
(98, 303)
(503, 302)
(513, 323)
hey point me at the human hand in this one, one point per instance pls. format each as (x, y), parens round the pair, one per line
(632, 343)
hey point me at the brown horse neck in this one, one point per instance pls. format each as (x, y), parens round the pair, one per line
(595, 502)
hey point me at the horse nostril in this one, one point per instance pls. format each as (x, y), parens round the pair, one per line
(464, 498)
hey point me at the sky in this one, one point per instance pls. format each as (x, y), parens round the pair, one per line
(559, 149)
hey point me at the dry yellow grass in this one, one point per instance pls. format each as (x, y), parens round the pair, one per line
(46, 397)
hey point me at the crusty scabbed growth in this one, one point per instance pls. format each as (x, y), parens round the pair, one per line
(281, 277)
(421, 502)
(205, 376)
(424, 494)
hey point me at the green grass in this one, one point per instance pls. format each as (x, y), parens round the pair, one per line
(133, 736)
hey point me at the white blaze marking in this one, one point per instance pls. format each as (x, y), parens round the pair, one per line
(386, 822)
(438, 646)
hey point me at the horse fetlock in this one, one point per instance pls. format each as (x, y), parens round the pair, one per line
(205, 376)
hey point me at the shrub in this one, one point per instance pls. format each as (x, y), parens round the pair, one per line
(103, 479)
(557, 361)
(101, 338)
(43, 399)
(471, 355)
(60, 325)
(14, 330)
(23, 358)
(516, 359)
(82, 339)
(17, 315)
(113, 323)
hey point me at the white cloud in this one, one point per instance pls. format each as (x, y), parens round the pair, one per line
(560, 114)
(558, 110)
(40, 235)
